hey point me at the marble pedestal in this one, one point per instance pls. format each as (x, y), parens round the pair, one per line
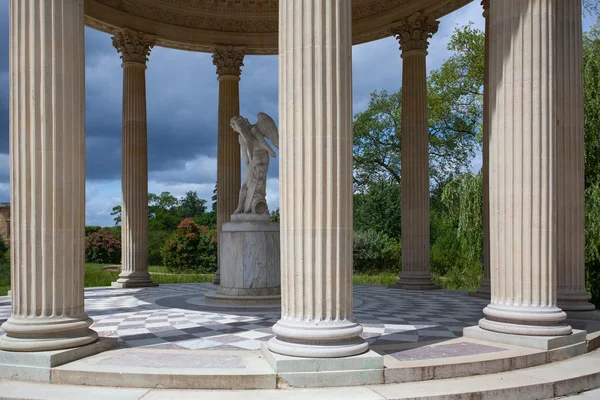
(249, 259)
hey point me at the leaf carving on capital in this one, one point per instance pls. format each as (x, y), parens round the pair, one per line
(414, 32)
(486, 7)
(134, 46)
(228, 60)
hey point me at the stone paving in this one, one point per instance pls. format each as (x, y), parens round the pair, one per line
(178, 317)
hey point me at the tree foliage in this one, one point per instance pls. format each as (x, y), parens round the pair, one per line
(591, 76)
(455, 112)
(379, 208)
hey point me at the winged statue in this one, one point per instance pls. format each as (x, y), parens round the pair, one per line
(256, 154)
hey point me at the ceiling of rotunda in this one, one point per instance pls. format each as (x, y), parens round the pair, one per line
(199, 25)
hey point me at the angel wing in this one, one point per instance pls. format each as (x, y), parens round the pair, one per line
(267, 127)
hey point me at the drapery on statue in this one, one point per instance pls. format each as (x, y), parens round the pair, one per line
(256, 153)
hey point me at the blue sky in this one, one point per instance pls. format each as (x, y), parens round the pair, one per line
(182, 99)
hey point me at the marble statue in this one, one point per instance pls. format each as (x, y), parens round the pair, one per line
(256, 153)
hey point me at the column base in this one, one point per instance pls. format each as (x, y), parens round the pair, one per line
(314, 340)
(217, 279)
(133, 284)
(485, 289)
(530, 321)
(415, 281)
(575, 301)
(134, 280)
(584, 315)
(46, 334)
(533, 342)
(363, 369)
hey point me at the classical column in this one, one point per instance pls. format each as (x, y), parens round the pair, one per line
(523, 170)
(484, 288)
(135, 49)
(572, 295)
(413, 34)
(47, 159)
(229, 62)
(315, 115)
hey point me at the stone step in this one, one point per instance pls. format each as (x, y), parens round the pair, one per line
(178, 369)
(548, 381)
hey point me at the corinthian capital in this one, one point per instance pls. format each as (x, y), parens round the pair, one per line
(486, 8)
(228, 60)
(414, 32)
(134, 46)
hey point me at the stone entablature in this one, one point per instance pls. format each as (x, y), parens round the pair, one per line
(200, 25)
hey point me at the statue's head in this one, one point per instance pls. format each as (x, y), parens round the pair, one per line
(239, 124)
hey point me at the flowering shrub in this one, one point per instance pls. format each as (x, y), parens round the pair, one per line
(192, 248)
(102, 247)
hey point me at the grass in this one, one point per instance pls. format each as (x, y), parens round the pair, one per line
(95, 276)
(384, 278)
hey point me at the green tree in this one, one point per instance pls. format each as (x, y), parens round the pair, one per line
(591, 76)
(455, 113)
(116, 213)
(378, 208)
(191, 206)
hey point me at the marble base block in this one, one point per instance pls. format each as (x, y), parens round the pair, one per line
(249, 254)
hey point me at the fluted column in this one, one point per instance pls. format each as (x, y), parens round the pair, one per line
(315, 112)
(485, 288)
(134, 48)
(229, 62)
(413, 34)
(523, 170)
(572, 295)
(47, 158)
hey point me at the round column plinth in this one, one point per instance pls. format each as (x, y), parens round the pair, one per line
(220, 297)
(317, 340)
(575, 301)
(532, 321)
(485, 288)
(134, 279)
(415, 281)
(46, 334)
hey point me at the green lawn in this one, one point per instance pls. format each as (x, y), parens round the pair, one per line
(385, 278)
(95, 276)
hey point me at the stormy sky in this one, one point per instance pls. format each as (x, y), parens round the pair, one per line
(182, 101)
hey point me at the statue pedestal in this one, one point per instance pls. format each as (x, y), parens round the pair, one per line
(249, 258)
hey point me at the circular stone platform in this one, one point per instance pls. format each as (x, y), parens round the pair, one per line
(178, 317)
(170, 337)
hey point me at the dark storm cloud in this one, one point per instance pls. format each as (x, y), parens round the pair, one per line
(182, 106)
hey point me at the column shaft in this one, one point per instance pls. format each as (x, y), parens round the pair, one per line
(523, 170)
(315, 98)
(413, 35)
(47, 157)
(135, 47)
(484, 288)
(228, 157)
(572, 295)
(229, 61)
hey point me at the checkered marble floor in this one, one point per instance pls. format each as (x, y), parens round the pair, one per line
(176, 317)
